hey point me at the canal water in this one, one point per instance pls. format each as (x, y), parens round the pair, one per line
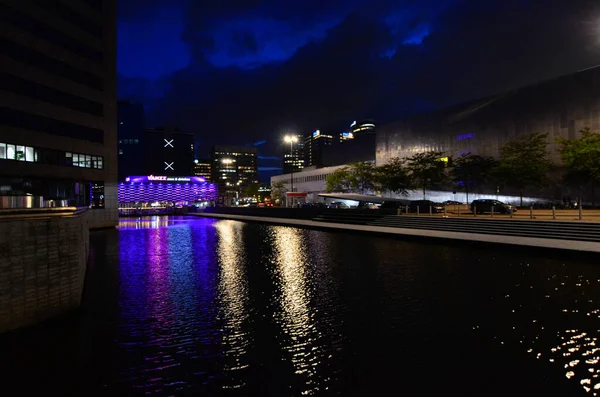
(195, 307)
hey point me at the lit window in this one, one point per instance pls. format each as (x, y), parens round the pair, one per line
(29, 156)
(2, 150)
(88, 161)
(120, 151)
(10, 152)
(20, 153)
(100, 163)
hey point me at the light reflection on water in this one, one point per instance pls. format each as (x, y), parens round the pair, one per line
(187, 306)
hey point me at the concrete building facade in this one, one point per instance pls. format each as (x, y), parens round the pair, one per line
(58, 110)
(559, 107)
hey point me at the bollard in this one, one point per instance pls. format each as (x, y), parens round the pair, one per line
(399, 211)
(430, 211)
(459, 210)
(406, 209)
(492, 211)
(474, 210)
(444, 211)
(418, 207)
(553, 212)
(580, 212)
(510, 211)
(531, 212)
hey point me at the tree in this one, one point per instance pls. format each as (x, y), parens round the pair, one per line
(339, 180)
(393, 176)
(361, 176)
(524, 162)
(251, 190)
(278, 191)
(426, 170)
(472, 170)
(581, 156)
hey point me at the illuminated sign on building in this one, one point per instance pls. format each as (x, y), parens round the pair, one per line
(317, 133)
(162, 178)
(353, 124)
(465, 136)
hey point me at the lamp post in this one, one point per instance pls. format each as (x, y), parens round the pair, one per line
(291, 139)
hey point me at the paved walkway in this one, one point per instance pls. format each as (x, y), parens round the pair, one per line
(583, 246)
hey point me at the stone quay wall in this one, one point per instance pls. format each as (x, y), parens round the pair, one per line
(43, 262)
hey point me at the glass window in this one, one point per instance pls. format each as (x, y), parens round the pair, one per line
(2, 150)
(100, 163)
(88, 161)
(69, 158)
(29, 154)
(136, 141)
(10, 152)
(75, 160)
(20, 153)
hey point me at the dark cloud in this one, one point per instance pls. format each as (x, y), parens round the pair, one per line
(296, 66)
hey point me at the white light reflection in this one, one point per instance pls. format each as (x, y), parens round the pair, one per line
(296, 319)
(233, 292)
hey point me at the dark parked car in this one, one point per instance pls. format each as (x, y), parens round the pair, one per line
(424, 205)
(392, 205)
(482, 206)
(452, 202)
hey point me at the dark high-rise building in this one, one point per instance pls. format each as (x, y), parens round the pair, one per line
(169, 151)
(354, 145)
(203, 168)
(234, 169)
(293, 155)
(131, 139)
(59, 117)
(314, 145)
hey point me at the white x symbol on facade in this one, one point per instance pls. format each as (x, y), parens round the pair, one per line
(169, 166)
(168, 143)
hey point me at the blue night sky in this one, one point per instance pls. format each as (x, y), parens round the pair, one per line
(247, 71)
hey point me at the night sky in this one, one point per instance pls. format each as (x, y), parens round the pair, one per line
(241, 72)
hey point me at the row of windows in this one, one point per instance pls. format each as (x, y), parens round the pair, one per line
(311, 178)
(37, 59)
(128, 141)
(9, 151)
(40, 29)
(28, 121)
(44, 93)
(72, 16)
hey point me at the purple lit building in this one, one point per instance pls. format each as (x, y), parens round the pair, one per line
(149, 189)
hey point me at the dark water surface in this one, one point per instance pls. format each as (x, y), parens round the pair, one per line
(180, 306)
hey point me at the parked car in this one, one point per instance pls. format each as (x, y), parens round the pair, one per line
(483, 206)
(424, 205)
(338, 204)
(392, 205)
(452, 202)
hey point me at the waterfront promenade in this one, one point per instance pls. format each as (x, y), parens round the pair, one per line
(537, 230)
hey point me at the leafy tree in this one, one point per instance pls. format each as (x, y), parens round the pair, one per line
(426, 170)
(524, 162)
(581, 156)
(472, 170)
(339, 180)
(361, 176)
(278, 191)
(394, 176)
(251, 190)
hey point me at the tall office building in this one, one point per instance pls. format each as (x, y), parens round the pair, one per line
(203, 168)
(314, 145)
(58, 111)
(131, 139)
(234, 169)
(293, 155)
(169, 151)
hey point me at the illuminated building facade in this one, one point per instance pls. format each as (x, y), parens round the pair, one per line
(151, 189)
(560, 107)
(203, 168)
(293, 160)
(234, 169)
(59, 117)
(314, 145)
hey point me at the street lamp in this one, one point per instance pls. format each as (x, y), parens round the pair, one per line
(291, 139)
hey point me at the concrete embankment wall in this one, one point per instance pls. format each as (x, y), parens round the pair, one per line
(42, 267)
(573, 236)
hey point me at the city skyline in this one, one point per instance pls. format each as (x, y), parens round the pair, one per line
(253, 73)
